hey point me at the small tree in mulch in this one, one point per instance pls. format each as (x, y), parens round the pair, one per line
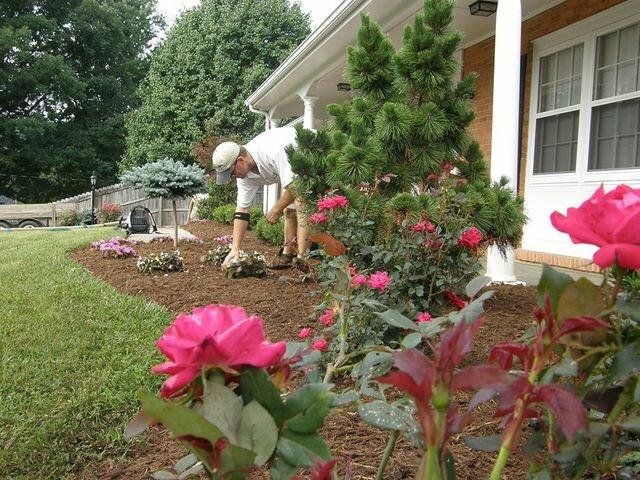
(168, 179)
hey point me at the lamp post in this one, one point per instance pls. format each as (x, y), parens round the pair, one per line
(93, 179)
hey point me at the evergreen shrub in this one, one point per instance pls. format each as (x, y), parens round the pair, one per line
(272, 234)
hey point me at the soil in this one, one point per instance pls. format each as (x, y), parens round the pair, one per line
(285, 308)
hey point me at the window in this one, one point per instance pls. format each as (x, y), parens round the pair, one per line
(614, 128)
(596, 79)
(557, 130)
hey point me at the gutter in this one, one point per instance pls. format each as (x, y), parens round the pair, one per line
(339, 15)
(267, 122)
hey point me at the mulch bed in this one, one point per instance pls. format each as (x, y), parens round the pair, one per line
(285, 308)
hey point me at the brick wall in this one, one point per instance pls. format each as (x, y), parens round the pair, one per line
(479, 58)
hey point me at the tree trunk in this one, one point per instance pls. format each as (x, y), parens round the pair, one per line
(175, 222)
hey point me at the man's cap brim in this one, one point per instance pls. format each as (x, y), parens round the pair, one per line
(223, 177)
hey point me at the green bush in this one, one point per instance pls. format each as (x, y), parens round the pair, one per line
(70, 218)
(218, 195)
(272, 234)
(224, 214)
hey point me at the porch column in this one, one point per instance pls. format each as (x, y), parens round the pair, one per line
(504, 128)
(309, 104)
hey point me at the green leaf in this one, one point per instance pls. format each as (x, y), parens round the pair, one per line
(373, 364)
(542, 475)
(163, 475)
(138, 424)
(433, 328)
(305, 408)
(194, 471)
(630, 309)
(485, 444)
(281, 470)
(412, 340)
(396, 319)
(223, 408)
(301, 450)
(553, 283)
(255, 384)
(195, 431)
(185, 462)
(345, 398)
(534, 444)
(257, 432)
(580, 298)
(476, 284)
(626, 362)
(383, 415)
(449, 467)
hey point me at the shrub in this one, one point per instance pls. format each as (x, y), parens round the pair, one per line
(70, 218)
(161, 262)
(224, 214)
(272, 234)
(110, 212)
(218, 195)
(114, 248)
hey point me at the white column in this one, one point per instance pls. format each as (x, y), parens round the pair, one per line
(275, 122)
(309, 104)
(504, 129)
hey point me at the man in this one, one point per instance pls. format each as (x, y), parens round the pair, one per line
(260, 162)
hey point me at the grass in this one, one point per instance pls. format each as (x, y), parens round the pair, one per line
(73, 353)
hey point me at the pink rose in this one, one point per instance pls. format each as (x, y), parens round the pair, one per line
(327, 317)
(379, 281)
(320, 344)
(359, 280)
(304, 333)
(423, 226)
(213, 336)
(610, 221)
(329, 203)
(470, 238)
(317, 218)
(424, 317)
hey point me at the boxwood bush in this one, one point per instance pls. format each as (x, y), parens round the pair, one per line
(272, 234)
(224, 214)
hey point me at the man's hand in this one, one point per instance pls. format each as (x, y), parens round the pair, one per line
(234, 255)
(274, 215)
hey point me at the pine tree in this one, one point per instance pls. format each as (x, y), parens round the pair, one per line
(407, 118)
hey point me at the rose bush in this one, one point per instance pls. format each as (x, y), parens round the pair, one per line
(225, 400)
(611, 221)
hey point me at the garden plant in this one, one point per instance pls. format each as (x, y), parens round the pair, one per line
(168, 179)
(397, 184)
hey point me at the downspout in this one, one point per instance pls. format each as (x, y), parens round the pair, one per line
(267, 126)
(267, 123)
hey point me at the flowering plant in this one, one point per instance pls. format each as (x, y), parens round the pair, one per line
(225, 400)
(110, 212)
(161, 262)
(114, 248)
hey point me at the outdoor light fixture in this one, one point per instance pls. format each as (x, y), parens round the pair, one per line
(344, 87)
(483, 8)
(93, 179)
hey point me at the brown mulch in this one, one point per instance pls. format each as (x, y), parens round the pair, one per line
(285, 307)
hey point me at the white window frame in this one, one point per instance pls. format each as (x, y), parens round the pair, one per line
(584, 32)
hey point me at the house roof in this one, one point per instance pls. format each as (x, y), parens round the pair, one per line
(317, 64)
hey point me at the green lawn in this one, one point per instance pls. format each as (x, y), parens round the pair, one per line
(73, 353)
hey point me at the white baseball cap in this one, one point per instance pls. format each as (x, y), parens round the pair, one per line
(223, 158)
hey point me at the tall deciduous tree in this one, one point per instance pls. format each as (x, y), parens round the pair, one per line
(69, 70)
(212, 59)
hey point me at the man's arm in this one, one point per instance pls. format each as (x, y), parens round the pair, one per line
(239, 229)
(276, 211)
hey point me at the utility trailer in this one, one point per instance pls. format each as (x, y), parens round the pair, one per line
(33, 215)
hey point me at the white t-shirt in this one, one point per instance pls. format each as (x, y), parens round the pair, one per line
(267, 150)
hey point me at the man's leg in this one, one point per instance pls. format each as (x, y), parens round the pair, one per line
(303, 235)
(290, 230)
